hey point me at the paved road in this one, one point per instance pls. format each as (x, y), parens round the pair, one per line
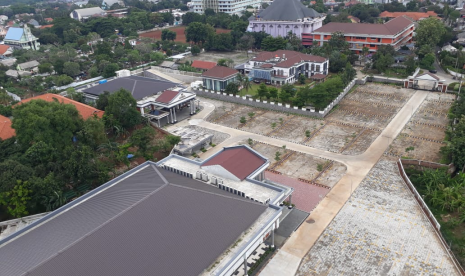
(287, 260)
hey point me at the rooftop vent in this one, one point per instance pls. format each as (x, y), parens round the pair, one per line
(214, 180)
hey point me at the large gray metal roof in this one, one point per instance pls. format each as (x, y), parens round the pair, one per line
(142, 223)
(287, 10)
(139, 87)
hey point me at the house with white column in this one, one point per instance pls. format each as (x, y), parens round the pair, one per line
(156, 99)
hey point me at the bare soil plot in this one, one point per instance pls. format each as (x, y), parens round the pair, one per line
(232, 119)
(378, 109)
(362, 142)
(301, 165)
(262, 122)
(333, 137)
(378, 93)
(423, 150)
(416, 129)
(362, 120)
(332, 175)
(432, 113)
(295, 128)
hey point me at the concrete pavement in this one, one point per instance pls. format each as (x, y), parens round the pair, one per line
(287, 260)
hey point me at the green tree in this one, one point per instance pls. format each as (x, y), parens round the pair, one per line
(195, 50)
(429, 32)
(45, 68)
(141, 138)
(427, 61)
(349, 74)
(273, 92)
(102, 100)
(93, 132)
(79, 165)
(271, 44)
(262, 91)
(232, 88)
(410, 65)
(302, 79)
(337, 62)
(110, 70)
(168, 35)
(198, 32)
(71, 69)
(242, 120)
(122, 107)
(53, 122)
(17, 199)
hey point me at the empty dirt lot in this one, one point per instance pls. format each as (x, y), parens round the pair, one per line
(350, 128)
(423, 137)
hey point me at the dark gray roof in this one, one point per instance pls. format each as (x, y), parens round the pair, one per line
(287, 10)
(140, 87)
(153, 222)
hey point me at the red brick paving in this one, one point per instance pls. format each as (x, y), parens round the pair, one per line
(306, 196)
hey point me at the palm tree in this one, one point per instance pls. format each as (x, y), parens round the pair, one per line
(246, 84)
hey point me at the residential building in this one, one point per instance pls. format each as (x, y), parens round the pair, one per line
(3, 31)
(5, 51)
(6, 131)
(353, 19)
(86, 111)
(415, 16)
(3, 19)
(156, 99)
(284, 16)
(218, 77)
(30, 66)
(21, 38)
(203, 65)
(396, 32)
(83, 14)
(283, 66)
(48, 19)
(8, 62)
(226, 6)
(34, 23)
(174, 217)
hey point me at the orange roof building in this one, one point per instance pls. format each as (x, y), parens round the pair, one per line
(203, 65)
(46, 26)
(6, 131)
(86, 111)
(413, 15)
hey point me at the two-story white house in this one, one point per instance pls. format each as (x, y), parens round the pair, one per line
(283, 66)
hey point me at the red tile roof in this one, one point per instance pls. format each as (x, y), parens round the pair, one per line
(48, 19)
(240, 161)
(6, 131)
(267, 65)
(391, 27)
(46, 26)
(3, 48)
(86, 111)
(414, 15)
(203, 64)
(167, 96)
(219, 72)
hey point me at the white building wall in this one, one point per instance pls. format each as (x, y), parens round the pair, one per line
(227, 6)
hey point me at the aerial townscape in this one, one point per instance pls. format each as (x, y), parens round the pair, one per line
(232, 137)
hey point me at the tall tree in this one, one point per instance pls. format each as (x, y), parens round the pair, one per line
(53, 122)
(122, 108)
(429, 32)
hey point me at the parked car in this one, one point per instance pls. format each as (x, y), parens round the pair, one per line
(256, 80)
(434, 71)
(267, 82)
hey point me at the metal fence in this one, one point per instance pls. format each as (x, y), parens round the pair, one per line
(427, 211)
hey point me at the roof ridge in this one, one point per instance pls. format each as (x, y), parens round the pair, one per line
(212, 193)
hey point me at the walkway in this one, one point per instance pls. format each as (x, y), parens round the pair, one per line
(287, 260)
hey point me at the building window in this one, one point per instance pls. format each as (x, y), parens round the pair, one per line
(372, 45)
(318, 68)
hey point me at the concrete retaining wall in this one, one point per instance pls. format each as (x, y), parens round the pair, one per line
(275, 106)
(427, 211)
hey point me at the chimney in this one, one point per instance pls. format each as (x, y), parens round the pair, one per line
(284, 56)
